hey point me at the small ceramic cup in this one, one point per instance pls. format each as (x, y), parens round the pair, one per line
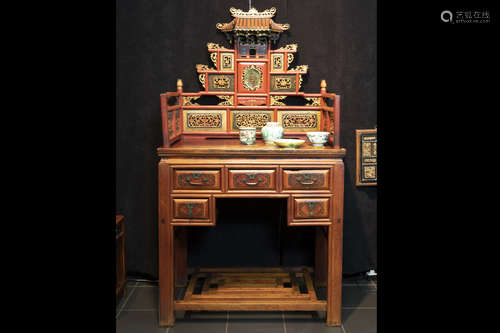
(247, 135)
(317, 139)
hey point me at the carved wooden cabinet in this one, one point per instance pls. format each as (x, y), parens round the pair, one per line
(202, 161)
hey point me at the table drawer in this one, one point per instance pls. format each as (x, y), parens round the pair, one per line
(310, 211)
(306, 179)
(196, 179)
(190, 209)
(248, 179)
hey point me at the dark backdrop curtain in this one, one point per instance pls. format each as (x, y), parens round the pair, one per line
(160, 41)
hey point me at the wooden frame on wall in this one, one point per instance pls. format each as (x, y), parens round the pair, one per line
(366, 157)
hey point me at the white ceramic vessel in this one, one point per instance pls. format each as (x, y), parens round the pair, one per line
(272, 131)
(247, 135)
(318, 139)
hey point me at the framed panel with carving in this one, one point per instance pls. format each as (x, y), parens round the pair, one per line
(226, 61)
(300, 120)
(277, 62)
(366, 157)
(204, 121)
(250, 118)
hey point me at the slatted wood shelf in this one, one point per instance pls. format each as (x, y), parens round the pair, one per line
(272, 289)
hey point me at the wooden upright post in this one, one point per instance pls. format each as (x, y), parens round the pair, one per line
(166, 251)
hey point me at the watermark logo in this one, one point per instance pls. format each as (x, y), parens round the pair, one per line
(446, 16)
(465, 16)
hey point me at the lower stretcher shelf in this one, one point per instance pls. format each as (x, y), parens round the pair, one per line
(272, 289)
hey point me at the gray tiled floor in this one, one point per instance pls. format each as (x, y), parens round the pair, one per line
(137, 311)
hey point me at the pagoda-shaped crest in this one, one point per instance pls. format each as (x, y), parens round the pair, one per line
(252, 27)
(248, 85)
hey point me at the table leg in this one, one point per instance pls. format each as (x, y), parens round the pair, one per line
(180, 256)
(166, 253)
(334, 289)
(321, 257)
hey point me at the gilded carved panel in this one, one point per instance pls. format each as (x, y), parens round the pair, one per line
(226, 61)
(299, 120)
(283, 82)
(277, 63)
(220, 82)
(252, 77)
(366, 157)
(250, 118)
(204, 121)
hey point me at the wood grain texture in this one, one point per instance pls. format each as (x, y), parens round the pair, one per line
(313, 187)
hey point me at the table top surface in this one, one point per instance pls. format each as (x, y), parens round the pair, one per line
(235, 147)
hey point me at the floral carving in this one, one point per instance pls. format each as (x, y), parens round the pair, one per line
(251, 119)
(202, 79)
(299, 120)
(204, 120)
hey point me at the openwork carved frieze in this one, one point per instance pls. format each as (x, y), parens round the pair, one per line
(249, 118)
(299, 121)
(204, 120)
(252, 77)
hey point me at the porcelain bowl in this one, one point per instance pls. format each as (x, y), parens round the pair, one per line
(318, 139)
(289, 143)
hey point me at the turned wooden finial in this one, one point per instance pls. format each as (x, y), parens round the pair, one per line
(323, 85)
(179, 84)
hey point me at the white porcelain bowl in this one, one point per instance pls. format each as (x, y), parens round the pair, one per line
(318, 139)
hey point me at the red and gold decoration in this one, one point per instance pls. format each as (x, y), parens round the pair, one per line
(250, 82)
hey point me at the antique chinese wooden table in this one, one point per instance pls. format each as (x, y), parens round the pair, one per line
(202, 160)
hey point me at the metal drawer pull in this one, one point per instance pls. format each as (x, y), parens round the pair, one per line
(190, 206)
(307, 179)
(311, 205)
(253, 176)
(195, 179)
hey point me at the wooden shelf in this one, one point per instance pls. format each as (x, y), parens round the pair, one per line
(274, 289)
